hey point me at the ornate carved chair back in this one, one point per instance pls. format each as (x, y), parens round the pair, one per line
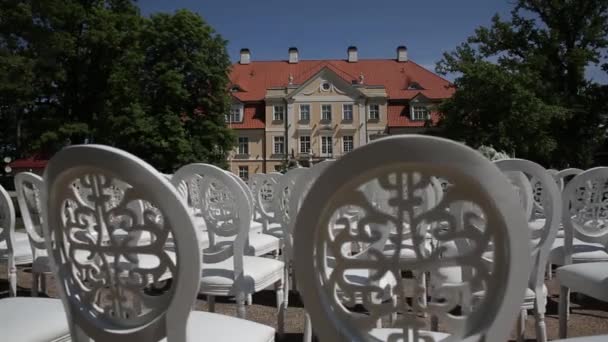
(262, 187)
(28, 187)
(550, 206)
(100, 281)
(7, 236)
(302, 185)
(225, 209)
(416, 159)
(584, 211)
(283, 194)
(523, 187)
(565, 175)
(247, 190)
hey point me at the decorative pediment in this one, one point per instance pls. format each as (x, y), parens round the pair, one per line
(325, 85)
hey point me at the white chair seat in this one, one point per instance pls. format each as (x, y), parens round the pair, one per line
(407, 251)
(383, 334)
(259, 273)
(275, 229)
(33, 319)
(582, 252)
(361, 276)
(256, 227)
(260, 244)
(22, 252)
(210, 326)
(589, 278)
(537, 224)
(530, 294)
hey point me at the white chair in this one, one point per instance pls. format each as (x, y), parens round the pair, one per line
(556, 257)
(262, 186)
(412, 161)
(99, 296)
(28, 319)
(28, 186)
(226, 270)
(585, 218)
(15, 248)
(258, 243)
(548, 205)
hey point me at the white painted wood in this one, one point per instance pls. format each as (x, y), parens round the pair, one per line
(224, 204)
(584, 218)
(411, 161)
(104, 296)
(28, 186)
(15, 249)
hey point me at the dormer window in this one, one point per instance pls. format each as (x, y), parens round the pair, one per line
(236, 113)
(420, 113)
(415, 86)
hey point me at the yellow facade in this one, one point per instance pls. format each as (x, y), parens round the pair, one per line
(326, 110)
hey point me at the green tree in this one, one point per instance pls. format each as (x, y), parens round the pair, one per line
(96, 70)
(184, 83)
(521, 83)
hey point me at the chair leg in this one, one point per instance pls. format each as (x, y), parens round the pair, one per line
(564, 311)
(211, 302)
(434, 323)
(42, 282)
(422, 284)
(35, 285)
(541, 327)
(281, 308)
(286, 287)
(392, 318)
(240, 305)
(307, 329)
(521, 325)
(12, 276)
(539, 316)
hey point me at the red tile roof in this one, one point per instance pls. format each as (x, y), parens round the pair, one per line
(399, 116)
(29, 163)
(256, 77)
(253, 117)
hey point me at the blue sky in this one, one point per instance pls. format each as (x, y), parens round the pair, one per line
(325, 28)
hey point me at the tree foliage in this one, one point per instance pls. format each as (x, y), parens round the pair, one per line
(521, 83)
(74, 71)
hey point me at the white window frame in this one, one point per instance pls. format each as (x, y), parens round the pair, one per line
(274, 144)
(230, 117)
(246, 169)
(309, 144)
(416, 115)
(309, 110)
(352, 143)
(330, 112)
(330, 152)
(352, 111)
(369, 111)
(246, 144)
(275, 112)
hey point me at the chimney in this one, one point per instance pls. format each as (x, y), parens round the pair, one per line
(352, 54)
(293, 55)
(245, 56)
(402, 54)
